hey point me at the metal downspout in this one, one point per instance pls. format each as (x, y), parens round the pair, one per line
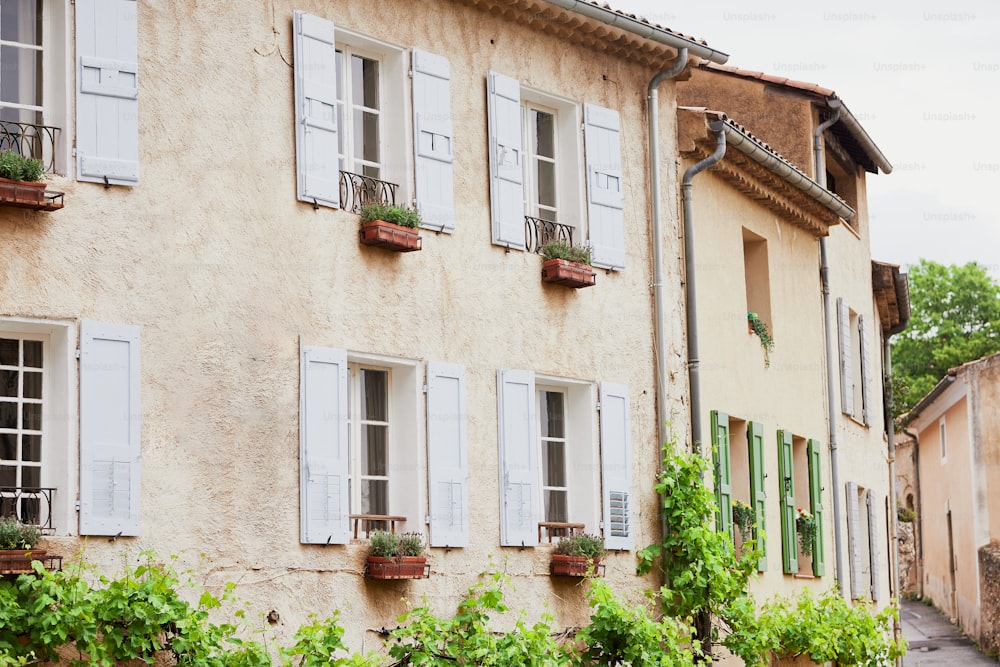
(831, 403)
(659, 304)
(893, 509)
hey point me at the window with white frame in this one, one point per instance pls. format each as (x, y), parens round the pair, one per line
(547, 181)
(552, 459)
(22, 392)
(353, 132)
(855, 364)
(368, 435)
(942, 436)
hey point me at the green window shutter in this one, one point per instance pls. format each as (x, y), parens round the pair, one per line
(786, 473)
(723, 479)
(816, 506)
(755, 436)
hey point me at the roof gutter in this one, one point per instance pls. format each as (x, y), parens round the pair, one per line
(938, 389)
(859, 133)
(641, 28)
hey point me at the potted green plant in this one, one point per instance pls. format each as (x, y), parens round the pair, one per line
(17, 546)
(393, 556)
(577, 556)
(805, 526)
(21, 178)
(759, 327)
(390, 227)
(568, 265)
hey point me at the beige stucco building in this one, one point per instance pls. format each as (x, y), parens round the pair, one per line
(955, 461)
(200, 358)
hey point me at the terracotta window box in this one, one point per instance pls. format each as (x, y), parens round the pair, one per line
(570, 274)
(405, 567)
(574, 566)
(29, 194)
(387, 235)
(18, 561)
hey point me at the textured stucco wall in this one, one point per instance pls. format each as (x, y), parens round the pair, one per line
(989, 594)
(225, 273)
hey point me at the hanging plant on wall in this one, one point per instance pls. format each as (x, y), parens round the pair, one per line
(758, 327)
(805, 524)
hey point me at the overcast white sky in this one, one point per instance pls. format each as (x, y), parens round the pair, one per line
(922, 78)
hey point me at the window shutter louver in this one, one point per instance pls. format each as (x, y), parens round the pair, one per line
(447, 455)
(506, 160)
(872, 544)
(110, 429)
(518, 459)
(816, 506)
(789, 535)
(616, 466)
(433, 141)
(316, 150)
(846, 369)
(853, 539)
(323, 463)
(865, 371)
(755, 436)
(107, 92)
(605, 186)
(723, 476)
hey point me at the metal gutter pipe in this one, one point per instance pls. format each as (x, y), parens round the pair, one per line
(893, 507)
(643, 29)
(659, 303)
(694, 372)
(831, 386)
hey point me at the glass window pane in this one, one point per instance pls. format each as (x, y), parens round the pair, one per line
(556, 506)
(32, 416)
(375, 496)
(339, 64)
(553, 424)
(32, 385)
(31, 477)
(374, 451)
(8, 383)
(33, 353)
(31, 448)
(364, 82)
(554, 463)
(545, 126)
(8, 476)
(20, 69)
(8, 352)
(20, 21)
(375, 389)
(366, 136)
(8, 446)
(545, 177)
(8, 414)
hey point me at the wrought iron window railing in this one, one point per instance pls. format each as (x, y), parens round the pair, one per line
(31, 505)
(37, 141)
(538, 232)
(357, 190)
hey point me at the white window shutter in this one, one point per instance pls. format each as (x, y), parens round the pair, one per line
(518, 458)
(506, 160)
(865, 372)
(323, 446)
(316, 151)
(433, 141)
(616, 466)
(846, 369)
(447, 455)
(872, 545)
(110, 429)
(605, 186)
(107, 91)
(854, 540)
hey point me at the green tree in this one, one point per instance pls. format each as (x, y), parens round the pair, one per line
(955, 318)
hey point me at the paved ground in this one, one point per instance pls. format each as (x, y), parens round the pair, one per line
(935, 641)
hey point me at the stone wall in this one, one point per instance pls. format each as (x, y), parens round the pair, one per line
(989, 595)
(909, 576)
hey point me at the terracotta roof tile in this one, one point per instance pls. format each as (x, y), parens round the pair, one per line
(769, 78)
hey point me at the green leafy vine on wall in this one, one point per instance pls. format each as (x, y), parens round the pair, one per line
(759, 327)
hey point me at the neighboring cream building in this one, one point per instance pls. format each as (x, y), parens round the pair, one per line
(200, 358)
(956, 457)
(764, 216)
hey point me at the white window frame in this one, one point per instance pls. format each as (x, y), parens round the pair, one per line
(395, 134)
(405, 458)
(569, 161)
(60, 416)
(56, 92)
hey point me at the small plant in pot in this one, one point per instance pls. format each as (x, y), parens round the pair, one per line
(578, 555)
(389, 226)
(21, 177)
(567, 264)
(393, 556)
(17, 545)
(759, 327)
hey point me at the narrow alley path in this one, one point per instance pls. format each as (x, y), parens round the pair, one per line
(934, 640)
